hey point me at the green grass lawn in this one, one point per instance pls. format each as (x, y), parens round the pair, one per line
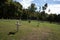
(29, 31)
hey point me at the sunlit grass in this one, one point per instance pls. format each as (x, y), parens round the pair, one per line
(26, 28)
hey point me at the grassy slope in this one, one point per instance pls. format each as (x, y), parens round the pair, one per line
(29, 31)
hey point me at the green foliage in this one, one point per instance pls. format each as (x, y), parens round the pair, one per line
(32, 8)
(10, 9)
(44, 7)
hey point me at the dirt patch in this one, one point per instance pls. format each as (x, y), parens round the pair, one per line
(38, 34)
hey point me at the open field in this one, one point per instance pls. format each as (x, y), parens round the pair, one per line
(29, 31)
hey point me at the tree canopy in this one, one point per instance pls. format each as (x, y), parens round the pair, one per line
(10, 9)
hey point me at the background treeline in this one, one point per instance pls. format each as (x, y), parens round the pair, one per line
(10, 9)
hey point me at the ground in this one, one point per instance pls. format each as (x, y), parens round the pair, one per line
(29, 31)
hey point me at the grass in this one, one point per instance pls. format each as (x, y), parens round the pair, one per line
(29, 31)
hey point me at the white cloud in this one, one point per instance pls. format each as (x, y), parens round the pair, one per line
(56, 0)
(26, 3)
(54, 8)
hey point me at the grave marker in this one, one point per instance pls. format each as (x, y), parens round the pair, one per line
(17, 25)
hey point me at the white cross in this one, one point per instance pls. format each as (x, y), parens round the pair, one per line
(17, 25)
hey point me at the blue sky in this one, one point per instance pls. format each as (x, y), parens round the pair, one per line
(53, 5)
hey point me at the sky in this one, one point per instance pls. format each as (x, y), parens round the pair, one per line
(53, 5)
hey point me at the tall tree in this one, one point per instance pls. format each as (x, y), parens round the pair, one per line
(43, 14)
(3, 7)
(45, 7)
(10, 9)
(32, 8)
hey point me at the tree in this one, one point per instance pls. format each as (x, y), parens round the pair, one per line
(43, 14)
(45, 7)
(32, 8)
(58, 18)
(3, 8)
(51, 18)
(10, 9)
(18, 9)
